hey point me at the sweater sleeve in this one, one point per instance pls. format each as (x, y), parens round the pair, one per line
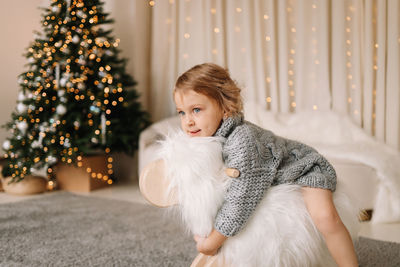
(242, 152)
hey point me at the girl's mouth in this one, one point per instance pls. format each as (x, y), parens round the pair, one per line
(194, 132)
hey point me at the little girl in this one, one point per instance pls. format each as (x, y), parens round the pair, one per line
(209, 104)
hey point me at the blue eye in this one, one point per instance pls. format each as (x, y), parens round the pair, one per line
(181, 113)
(196, 110)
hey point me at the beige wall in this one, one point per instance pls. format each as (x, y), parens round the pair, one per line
(21, 17)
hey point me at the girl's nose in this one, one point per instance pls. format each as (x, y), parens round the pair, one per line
(190, 121)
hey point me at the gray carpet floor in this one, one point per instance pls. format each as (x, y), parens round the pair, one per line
(64, 229)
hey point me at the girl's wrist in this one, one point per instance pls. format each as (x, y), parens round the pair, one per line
(215, 240)
(217, 237)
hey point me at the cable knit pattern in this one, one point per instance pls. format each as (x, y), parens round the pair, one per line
(263, 160)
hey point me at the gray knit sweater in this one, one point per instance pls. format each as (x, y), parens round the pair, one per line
(263, 160)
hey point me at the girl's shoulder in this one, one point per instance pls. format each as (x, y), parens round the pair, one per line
(250, 130)
(249, 134)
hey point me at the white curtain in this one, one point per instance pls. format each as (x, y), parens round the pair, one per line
(287, 55)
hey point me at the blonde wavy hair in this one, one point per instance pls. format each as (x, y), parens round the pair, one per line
(215, 82)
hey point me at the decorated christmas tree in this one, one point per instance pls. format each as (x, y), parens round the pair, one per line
(75, 97)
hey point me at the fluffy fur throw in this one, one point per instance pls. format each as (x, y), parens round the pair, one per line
(280, 232)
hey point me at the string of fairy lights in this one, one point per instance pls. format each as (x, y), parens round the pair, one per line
(291, 56)
(351, 81)
(352, 84)
(213, 11)
(314, 44)
(66, 82)
(216, 29)
(349, 57)
(268, 43)
(243, 50)
(186, 33)
(375, 69)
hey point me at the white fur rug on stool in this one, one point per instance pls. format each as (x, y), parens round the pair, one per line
(280, 232)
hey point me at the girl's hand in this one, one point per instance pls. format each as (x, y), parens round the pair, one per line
(209, 245)
(204, 247)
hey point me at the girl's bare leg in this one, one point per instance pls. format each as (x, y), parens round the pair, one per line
(319, 203)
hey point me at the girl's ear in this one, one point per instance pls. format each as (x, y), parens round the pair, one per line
(226, 114)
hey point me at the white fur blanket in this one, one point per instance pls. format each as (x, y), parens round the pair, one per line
(280, 232)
